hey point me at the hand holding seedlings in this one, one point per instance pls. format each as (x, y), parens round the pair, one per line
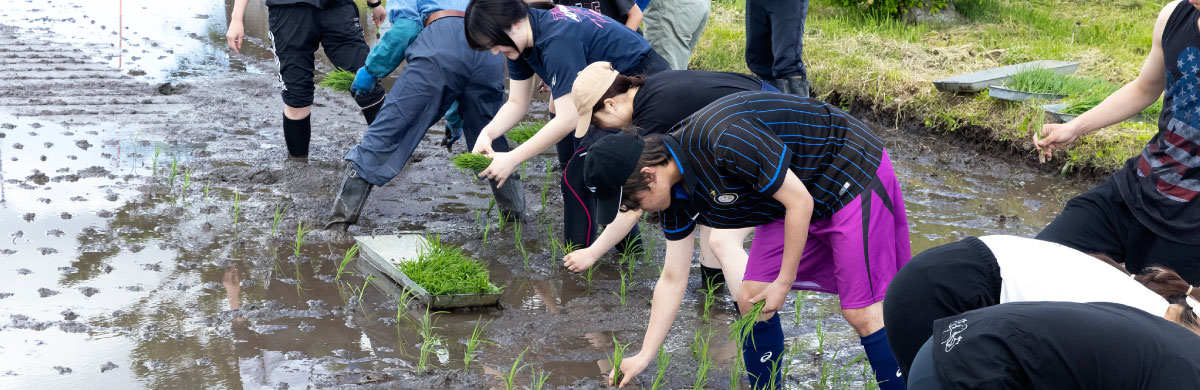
(773, 296)
(1056, 136)
(629, 367)
(580, 260)
(501, 168)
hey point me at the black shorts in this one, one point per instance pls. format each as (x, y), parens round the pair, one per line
(1099, 221)
(296, 33)
(940, 282)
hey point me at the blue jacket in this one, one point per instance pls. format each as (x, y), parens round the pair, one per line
(408, 18)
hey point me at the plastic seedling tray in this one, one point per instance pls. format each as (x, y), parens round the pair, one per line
(1002, 93)
(386, 252)
(1055, 110)
(978, 81)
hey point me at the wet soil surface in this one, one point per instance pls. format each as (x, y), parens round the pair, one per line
(139, 247)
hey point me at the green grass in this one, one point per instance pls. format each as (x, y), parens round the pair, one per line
(471, 162)
(338, 80)
(441, 269)
(524, 131)
(888, 65)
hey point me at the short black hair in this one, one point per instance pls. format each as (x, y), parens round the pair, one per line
(486, 21)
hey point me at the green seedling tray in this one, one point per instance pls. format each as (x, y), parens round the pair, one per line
(1012, 95)
(386, 252)
(978, 81)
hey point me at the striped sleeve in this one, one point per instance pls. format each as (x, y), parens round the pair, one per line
(677, 224)
(752, 153)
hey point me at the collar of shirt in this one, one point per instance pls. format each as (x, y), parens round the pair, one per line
(688, 186)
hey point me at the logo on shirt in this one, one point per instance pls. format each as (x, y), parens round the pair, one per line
(725, 198)
(955, 328)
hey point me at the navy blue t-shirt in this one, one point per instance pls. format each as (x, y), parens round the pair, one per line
(567, 39)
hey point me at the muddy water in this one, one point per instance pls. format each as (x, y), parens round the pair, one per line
(114, 275)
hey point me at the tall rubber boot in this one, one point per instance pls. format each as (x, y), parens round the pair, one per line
(797, 86)
(780, 84)
(351, 197)
(510, 198)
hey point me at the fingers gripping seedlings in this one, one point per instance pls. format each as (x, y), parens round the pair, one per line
(616, 358)
(741, 328)
(338, 80)
(474, 342)
(660, 377)
(346, 259)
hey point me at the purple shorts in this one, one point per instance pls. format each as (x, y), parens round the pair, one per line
(849, 254)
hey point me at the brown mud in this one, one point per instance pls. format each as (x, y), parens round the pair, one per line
(115, 275)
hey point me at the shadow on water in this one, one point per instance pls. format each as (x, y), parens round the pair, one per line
(115, 276)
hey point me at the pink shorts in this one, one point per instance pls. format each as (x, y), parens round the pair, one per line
(848, 254)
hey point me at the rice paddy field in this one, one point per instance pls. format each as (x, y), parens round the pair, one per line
(155, 237)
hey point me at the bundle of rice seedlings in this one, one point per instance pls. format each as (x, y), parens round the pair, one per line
(524, 131)
(471, 162)
(1086, 101)
(442, 269)
(1038, 80)
(338, 80)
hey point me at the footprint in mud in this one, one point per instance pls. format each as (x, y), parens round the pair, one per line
(39, 178)
(5, 295)
(24, 271)
(83, 144)
(48, 145)
(8, 126)
(18, 146)
(7, 251)
(107, 366)
(65, 215)
(89, 291)
(45, 292)
(47, 251)
(28, 217)
(44, 200)
(55, 232)
(69, 315)
(63, 370)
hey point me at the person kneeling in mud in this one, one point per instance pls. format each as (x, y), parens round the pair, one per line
(442, 70)
(1057, 345)
(978, 272)
(815, 182)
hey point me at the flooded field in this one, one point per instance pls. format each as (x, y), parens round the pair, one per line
(139, 246)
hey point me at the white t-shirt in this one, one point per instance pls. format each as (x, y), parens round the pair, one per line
(1035, 270)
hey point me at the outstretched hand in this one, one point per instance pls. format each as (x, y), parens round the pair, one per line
(234, 35)
(774, 294)
(1055, 136)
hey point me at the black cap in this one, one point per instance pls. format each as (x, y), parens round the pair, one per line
(607, 164)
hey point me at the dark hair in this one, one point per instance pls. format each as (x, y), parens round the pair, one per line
(654, 154)
(620, 85)
(486, 21)
(1168, 284)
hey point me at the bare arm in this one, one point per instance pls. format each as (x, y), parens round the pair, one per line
(582, 259)
(634, 19)
(511, 113)
(233, 36)
(799, 207)
(561, 126)
(668, 294)
(1127, 101)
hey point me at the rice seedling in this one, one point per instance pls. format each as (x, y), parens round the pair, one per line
(629, 255)
(704, 362)
(486, 229)
(503, 220)
(300, 232)
(471, 162)
(622, 291)
(1089, 100)
(237, 208)
(615, 359)
(280, 208)
(710, 297)
(174, 170)
(187, 182)
(524, 131)
(522, 169)
(510, 380)
(474, 342)
(587, 276)
(478, 214)
(788, 353)
(735, 372)
(154, 164)
(539, 379)
(663, 360)
(402, 303)
(428, 339)
(206, 185)
(741, 328)
(363, 290)
(441, 269)
(338, 80)
(801, 296)
(546, 182)
(1040, 80)
(520, 244)
(346, 259)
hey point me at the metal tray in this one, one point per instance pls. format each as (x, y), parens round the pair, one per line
(384, 253)
(1002, 93)
(975, 82)
(1055, 110)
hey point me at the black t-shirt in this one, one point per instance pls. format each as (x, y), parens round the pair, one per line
(670, 96)
(567, 39)
(617, 10)
(732, 154)
(314, 3)
(1162, 185)
(1062, 346)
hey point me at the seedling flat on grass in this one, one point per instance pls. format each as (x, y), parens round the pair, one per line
(441, 269)
(1041, 80)
(338, 80)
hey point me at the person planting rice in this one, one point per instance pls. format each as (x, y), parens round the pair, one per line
(554, 43)
(441, 71)
(1057, 345)
(653, 104)
(298, 27)
(1148, 211)
(816, 184)
(978, 272)
(625, 12)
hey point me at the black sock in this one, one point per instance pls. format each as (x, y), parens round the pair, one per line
(296, 133)
(711, 276)
(369, 113)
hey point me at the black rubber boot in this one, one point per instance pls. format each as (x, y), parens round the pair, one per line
(710, 277)
(296, 133)
(510, 198)
(350, 200)
(797, 86)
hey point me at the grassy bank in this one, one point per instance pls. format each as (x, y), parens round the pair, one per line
(854, 56)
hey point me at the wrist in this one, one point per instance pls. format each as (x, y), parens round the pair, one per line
(375, 4)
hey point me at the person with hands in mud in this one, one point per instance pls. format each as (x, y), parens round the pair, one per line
(1148, 211)
(442, 72)
(298, 28)
(652, 105)
(555, 43)
(816, 184)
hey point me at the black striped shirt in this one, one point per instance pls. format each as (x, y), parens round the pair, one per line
(731, 155)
